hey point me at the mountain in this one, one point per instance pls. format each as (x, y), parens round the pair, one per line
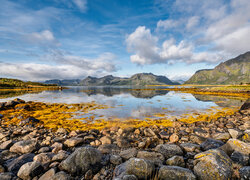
(135, 80)
(233, 71)
(65, 82)
(14, 83)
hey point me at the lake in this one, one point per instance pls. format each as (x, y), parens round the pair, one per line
(129, 102)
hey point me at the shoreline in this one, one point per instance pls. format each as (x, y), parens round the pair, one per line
(155, 152)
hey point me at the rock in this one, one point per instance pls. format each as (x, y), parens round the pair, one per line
(246, 105)
(169, 150)
(234, 133)
(246, 136)
(222, 136)
(164, 135)
(2, 169)
(7, 155)
(48, 175)
(30, 170)
(22, 107)
(176, 161)
(115, 159)
(190, 147)
(240, 158)
(212, 164)
(108, 148)
(141, 144)
(106, 140)
(57, 147)
(245, 173)
(61, 176)
(44, 158)
(197, 139)
(148, 132)
(88, 175)
(11, 103)
(81, 160)
(236, 145)
(174, 138)
(44, 149)
(128, 153)
(211, 144)
(14, 165)
(26, 146)
(6, 144)
(60, 156)
(72, 142)
(201, 132)
(175, 172)
(122, 142)
(129, 177)
(29, 120)
(141, 168)
(154, 157)
(1, 116)
(61, 131)
(6, 176)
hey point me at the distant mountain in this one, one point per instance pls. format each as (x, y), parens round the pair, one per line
(65, 82)
(179, 81)
(233, 71)
(135, 80)
(13, 83)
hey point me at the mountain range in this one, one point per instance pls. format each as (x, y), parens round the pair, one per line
(139, 79)
(233, 71)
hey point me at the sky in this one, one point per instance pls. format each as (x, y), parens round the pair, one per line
(73, 39)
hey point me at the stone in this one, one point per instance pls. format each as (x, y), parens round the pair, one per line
(6, 144)
(2, 169)
(26, 146)
(236, 145)
(175, 172)
(176, 161)
(44, 158)
(190, 147)
(106, 140)
(174, 138)
(154, 157)
(246, 136)
(72, 142)
(141, 144)
(7, 155)
(115, 159)
(129, 177)
(211, 144)
(11, 103)
(61, 131)
(222, 136)
(122, 142)
(57, 147)
(88, 175)
(48, 175)
(212, 164)
(245, 173)
(22, 107)
(197, 139)
(201, 132)
(169, 150)
(6, 176)
(14, 165)
(164, 135)
(240, 158)
(246, 105)
(141, 168)
(148, 132)
(60, 156)
(108, 148)
(128, 153)
(44, 149)
(30, 170)
(81, 160)
(61, 176)
(235, 133)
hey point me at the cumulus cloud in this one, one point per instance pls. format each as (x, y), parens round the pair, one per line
(81, 4)
(145, 49)
(168, 24)
(66, 67)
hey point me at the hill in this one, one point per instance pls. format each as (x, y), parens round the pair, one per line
(135, 80)
(233, 71)
(13, 83)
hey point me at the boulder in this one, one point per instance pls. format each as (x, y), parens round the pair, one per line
(176, 161)
(246, 105)
(108, 148)
(240, 158)
(115, 159)
(30, 170)
(154, 157)
(245, 173)
(169, 150)
(48, 175)
(106, 140)
(61, 176)
(128, 153)
(236, 145)
(213, 164)
(141, 168)
(6, 144)
(74, 141)
(190, 147)
(175, 172)
(7, 176)
(235, 133)
(14, 165)
(26, 146)
(29, 120)
(211, 144)
(81, 160)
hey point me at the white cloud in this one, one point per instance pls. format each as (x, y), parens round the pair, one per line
(81, 4)
(66, 67)
(168, 24)
(192, 22)
(45, 35)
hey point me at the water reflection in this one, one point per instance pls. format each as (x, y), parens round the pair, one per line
(128, 102)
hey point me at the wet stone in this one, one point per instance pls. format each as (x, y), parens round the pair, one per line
(211, 144)
(175, 172)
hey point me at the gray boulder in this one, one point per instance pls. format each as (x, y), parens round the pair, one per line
(169, 150)
(81, 160)
(175, 173)
(26, 146)
(213, 164)
(245, 173)
(30, 170)
(154, 157)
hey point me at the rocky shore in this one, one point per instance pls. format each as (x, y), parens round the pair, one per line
(203, 150)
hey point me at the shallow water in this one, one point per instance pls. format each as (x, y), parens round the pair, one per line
(127, 102)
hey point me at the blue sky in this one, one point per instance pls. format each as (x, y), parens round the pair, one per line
(69, 39)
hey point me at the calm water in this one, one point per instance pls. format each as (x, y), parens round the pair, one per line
(128, 102)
